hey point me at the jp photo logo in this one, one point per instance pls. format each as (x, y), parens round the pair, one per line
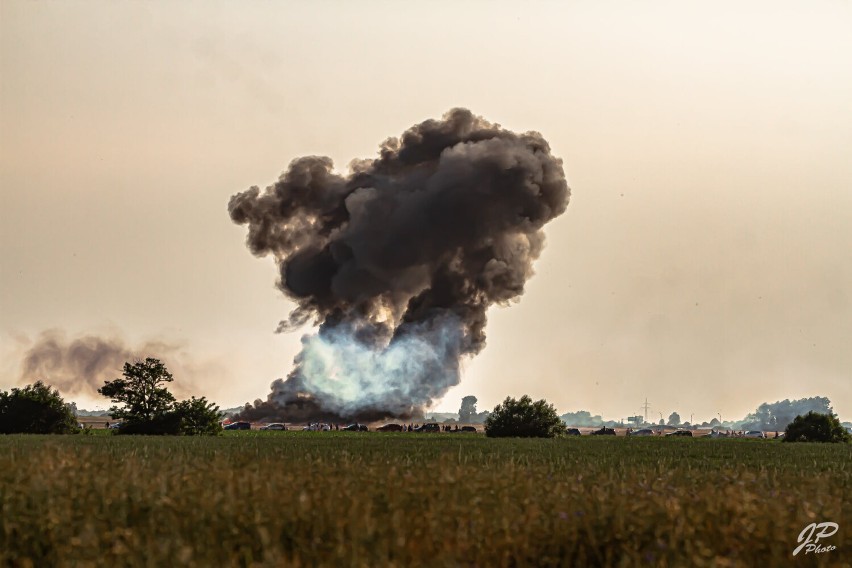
(810, 536)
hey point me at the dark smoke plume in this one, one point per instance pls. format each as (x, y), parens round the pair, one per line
(81, 365)
(398, 262)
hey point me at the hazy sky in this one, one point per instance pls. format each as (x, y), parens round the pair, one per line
(704, 261)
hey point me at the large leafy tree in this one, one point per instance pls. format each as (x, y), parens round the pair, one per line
(141, 391)
(674, 419)
(147, 406)
(467, 411)
(582, 418)
(777, 415)
(524, 418)
(816, 427)
(35, 409)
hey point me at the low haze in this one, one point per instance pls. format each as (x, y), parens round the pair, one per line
(703, 262)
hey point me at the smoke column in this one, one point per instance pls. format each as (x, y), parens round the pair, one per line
(397, 263)
(80, 365)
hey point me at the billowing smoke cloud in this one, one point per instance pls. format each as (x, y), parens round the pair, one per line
(80, 365)
(398, 262)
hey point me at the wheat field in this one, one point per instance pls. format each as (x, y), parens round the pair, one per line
(370, 499)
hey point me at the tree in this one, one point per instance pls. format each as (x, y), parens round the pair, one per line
(468, 409)
(524, 418)
(674, 419)
(816, 427)
(35, 409)
(581, 418)
(141, 391)
(149, 407)
(777, 415)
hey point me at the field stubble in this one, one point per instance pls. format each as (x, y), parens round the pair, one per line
(350, 499)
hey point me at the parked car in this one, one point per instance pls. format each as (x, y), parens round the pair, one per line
(114, 426)
(642, 432)
(604, 432)
(238, 426)
(428, 427)
(274, 426)
(680, 433)
(356, 428)
(391, 428)
(468, 429)
(572, 432)
(754, 434)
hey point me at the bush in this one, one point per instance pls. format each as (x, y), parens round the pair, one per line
(524, 418)
(816, 427)
(197, 417)
(164, 424)
(35, 409)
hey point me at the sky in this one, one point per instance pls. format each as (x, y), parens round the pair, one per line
(704, 261)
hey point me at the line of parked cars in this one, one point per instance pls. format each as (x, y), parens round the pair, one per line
(435, 427)
(355, 427)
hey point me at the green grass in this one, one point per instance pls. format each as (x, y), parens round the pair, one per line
(350, 499)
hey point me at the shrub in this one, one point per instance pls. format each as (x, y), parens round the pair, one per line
(198, 417)
(816, 427)
(35, 409)
(524, 418)
(166, 423)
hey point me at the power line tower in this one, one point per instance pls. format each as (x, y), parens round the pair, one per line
(646, 406)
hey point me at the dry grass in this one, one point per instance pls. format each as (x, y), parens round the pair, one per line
(349, 499)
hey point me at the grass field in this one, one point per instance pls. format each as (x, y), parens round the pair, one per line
(367, 499)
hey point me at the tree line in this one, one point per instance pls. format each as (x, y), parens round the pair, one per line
(144, 405)
(142, 402)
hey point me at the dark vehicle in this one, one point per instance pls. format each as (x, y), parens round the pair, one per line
(274, 426)
(391, 428)
(468, 429)
(678, 433)
(238, 426)
(356, 428)
(572, 432)
(430, 427)
(604, 432)
(642, 432)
